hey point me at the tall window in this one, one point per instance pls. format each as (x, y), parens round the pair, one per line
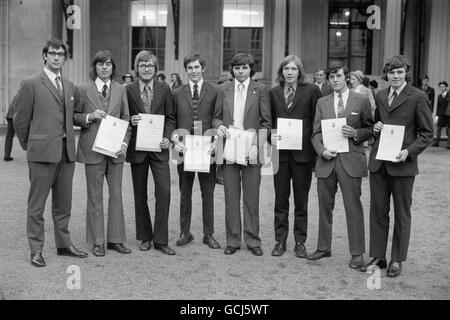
(243, 22)
(350, 41)
(148, 28)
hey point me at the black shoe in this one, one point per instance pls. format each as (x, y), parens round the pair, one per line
(211, 242)
(279, 249)
(98, 250)
(436, 144)
(164, 249)
(37, 260)
(319, 255)
(231, 250)
(394, 270)
(256, 251)
(380, 263)
(119, 247)
(219, 181)
(356, 262)
(71, 252)
(185, 238)
(145, 245)
(8, 159)
(300, 250)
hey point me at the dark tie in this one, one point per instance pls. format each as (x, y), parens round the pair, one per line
(58, 85)
(393, 97)
(105, 89)
(195, 95)
(147, 98)
(290, 97)
(340, 108)
(195, 128)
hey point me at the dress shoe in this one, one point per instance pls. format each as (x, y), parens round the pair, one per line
(279, 249)
(8, 159)
(256, 251)
(185, 238)
(37, 260)
(300, 250)
(319, 255)
(119, 247)
(71, 252)
(164, 249)
(98, 250)
(219, 181)
(394, 270)
(380, 263)
(210, 241)
(231, 250)
(356, 262)
(145, 245)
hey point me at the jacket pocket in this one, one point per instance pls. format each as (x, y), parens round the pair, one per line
(37, 137)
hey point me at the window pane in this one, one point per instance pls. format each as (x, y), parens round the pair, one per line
(243, 13)
(149, 13)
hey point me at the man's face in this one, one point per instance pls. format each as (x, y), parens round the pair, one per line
(104, 70)
(55, 59)
(146, 70)
(290, 73)
(338, 81)
(443, 88)
(242, 72)
(319, 76)
(425, 82)
(396, 77)
(195, 71)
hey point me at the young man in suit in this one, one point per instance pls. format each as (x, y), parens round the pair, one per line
(243, 104)
(146, 95)
(428, 90)
(443, 113)
(320, 80)
(293, 98)
(100, 97)
(194, 105)
(43, 120)
(345, 169)
(399, 104)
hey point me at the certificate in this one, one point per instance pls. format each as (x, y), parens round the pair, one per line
(150, 132)
(110, 136)
(291, 132)
(332, 136)
(196, 156)
(391, 141)
(237, 145)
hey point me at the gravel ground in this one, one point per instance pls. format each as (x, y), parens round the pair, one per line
(197, 272)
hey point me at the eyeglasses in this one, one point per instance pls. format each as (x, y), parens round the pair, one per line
(54, 54)
(146, 66)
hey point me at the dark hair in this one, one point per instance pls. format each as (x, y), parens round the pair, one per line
(443, 83)
(176, 76)
(241, 59)
(374, 83)
(145, 56)
(366, 81)
(161, 76)
(335, 67)
(55, 43)
(425, 77)
(397, 62)
(192, 58)
(102, 56)
(284, 63)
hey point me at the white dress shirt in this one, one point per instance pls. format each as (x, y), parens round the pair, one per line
(344, 99)
(99, 83)
(239, 103)
(391, 93)
(52, 76)
(199, 87)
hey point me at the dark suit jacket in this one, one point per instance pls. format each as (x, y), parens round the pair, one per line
(326, 89)
(10, 113)
(89, 102)
(162, 104)
(39, 118)
(256, 113)
(430, 94)
(303, 107)
(359, 117)
(443, 105)
(412, 110)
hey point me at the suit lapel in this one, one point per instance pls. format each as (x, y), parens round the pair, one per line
(298, 94)
(203, 93)
(136, 96)
(92, 95)
(114, 97)
(330, 107)
(351, 103)
(156, 96)
(187, 95)
(251, 92)
(229, 94)
(401, 98)
(279, 92)
(46, 81)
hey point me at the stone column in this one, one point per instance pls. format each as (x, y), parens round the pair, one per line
(279, 37)
(295, 27)
(4, 60)
(393, 25)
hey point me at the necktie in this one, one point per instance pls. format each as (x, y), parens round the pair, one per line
(195, 95)
(340, 108)
(241, 90)
(196, 130)
(393, 96)
(58, 85)
(105, 89)
(290, 97)
(148, 97)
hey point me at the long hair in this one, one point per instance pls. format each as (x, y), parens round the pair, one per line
(102, 56)
(284, 63)
(241, 59)
(397, 62)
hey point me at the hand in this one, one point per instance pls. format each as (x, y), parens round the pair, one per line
(178, 146)
(222, 131)
(212, 147)
(165, 143)
(97, 114)
(348, 132)
(122, 151)
(329, 154)
(377, 128)
(253, 154)
(135, 119)
(275, 138)
(401, 157)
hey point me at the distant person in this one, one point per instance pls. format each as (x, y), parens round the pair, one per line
(373, 86)
(127, 78)
(428, 90)
(10, 131)
(321, 81)
(443, 113)
(356, 80)
(176, 81)
(161, 77)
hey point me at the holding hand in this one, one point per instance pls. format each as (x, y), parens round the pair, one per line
(275, 138)
(348, 132)
(222, 131)
(329, 154)
(377, 128)
(165, 143)
(402, 156)
(97, 114)
(178, 146)
(135, 119)
(123, 150)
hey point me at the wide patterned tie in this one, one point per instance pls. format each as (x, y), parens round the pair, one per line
(340, 108)
(290, 97)
(148, 98)
(59, 86)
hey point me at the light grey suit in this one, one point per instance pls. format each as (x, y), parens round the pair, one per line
(97, 165)
(347, 169)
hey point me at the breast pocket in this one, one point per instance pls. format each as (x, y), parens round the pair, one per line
(353, 120)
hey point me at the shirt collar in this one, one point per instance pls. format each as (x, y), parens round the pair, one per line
(344, 94)
(51, 75)
(286, 87)
(246, 83)
(99, 83)
(399, 90)
(142, 85)
(199, 85)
